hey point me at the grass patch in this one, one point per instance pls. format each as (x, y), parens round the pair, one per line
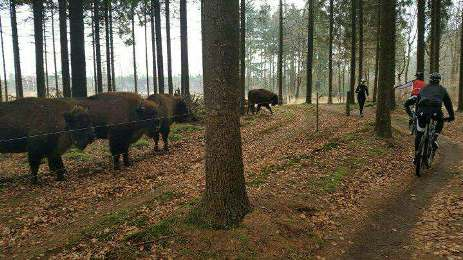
(142, 143)
(377, 151)
(154, 232)
(331, 182)
(78, 155)
(167, 196)
(330, 146)
(185, 128)
(106, 228)
(262, 177)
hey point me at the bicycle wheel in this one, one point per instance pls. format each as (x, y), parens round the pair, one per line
(420, 156)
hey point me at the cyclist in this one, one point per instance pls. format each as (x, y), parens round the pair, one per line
(362, 93)
(429, 104)
(416, 85)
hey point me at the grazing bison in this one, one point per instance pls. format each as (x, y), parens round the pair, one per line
(175, 109)
(44, 128)
(261, 97)
(122, 118)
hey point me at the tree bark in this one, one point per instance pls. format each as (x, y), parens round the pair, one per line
(4, 64)
(134, 53)
(108, 46)
(378, 39)
(420, 51)
(280, 56)
(99, 74)
(157, 16)
(169, 49)
(111, 39)
(79, 72)
(353, 51)
(95, 84)
(330, 59)
(185, 77)
(63, 32)
(310, 42)
(153, 48)
(435, 34)
(361, 42)
(54, 50)
(146, 49)
(225, 202)
(460, 94)
(243, 56)
(45, 60)
(387, 68)
(37, 6)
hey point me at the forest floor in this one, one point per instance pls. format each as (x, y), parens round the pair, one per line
(339, 192)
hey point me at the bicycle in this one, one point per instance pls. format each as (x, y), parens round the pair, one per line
(425, 153)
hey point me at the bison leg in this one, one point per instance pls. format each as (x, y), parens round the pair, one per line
(55, 163)
(269, 108)
(34, 163)
(125, 157)
(116, 164)
(165, 139)
(258, 108)
(156, 141)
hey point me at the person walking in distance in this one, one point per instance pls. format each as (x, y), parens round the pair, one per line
(362, 94)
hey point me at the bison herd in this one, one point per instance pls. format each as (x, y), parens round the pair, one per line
(47, 128)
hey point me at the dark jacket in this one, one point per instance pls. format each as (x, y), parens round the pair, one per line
(431, 99)
(362, 91)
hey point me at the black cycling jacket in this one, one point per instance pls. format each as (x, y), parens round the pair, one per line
(362, 91)
(431, 98)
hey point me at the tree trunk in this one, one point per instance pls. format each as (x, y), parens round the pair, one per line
(108, 46)
(460, 93)
(4, 64)
(225, 202)
(378, 39)
(353, 51)
(387, 67)
(146, 49)
(361, 39)
(184, 50)
(330, 59)
(169, 49)
(310, 42)
(37, 6)
(280, 56)
(111, 39)
(153, 48)
(99, 74)
(55, 66)
(435, 34)
(63, 32)
(157, 16)
(79, 73)
(134, 53)
(421, 30)
(95, 84)
(47, 90)
(243, 55)
(16, 55)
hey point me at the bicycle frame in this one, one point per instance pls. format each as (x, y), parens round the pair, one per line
(425, 153)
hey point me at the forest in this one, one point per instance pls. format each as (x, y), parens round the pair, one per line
(243, 129)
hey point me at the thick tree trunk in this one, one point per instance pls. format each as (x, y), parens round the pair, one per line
(225, 202)
(435, 34)
(146, 49)
(16, 55)
(169, 49)
(310, 42)
(243, 56)
(157, 16)
(387, 67)
(79, 72)
(55, 66)
(111, 39)
(153, 48)
(280, 56)
(460, 93)
(37, 6)
(99, 74)
(330, 59)
(361, 42)
(378, 39)
(63, 32)
(134, 52)
(4, 64)
(353, 50)
(421, 30)
(108, 46)
(185, 84)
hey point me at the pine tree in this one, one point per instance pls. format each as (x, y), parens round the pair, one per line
(79, 73)
(420, 51)
(435, 34)
(157, 16)
(185, 77)
(280, 56)
(170, 84)
(63, 32)
(16, 55)
(37, 7)
(310, 43)
(330, 59)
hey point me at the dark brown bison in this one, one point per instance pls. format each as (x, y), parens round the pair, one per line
(175, 109)
(44, 128)
(122, 118)
(261, 97)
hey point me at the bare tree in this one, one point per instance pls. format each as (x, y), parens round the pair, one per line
(16, 55)
(330, 58)
(420, 50)
(37, 6)
(79, 72)
(280, 56)
(353, 50)
(63, 32)
(4, 64)
(435, 34)
(184, 50)
(243, 54)
(169, 49)
(310, 42)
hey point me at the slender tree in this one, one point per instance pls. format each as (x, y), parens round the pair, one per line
(169, 49)
(387, 67)
(79, 73)
(37, 7)
(421, 6)
(45, 56)
(111, 39)
(153, 48)
(134, 47)
(55, 66)
(310, 42)
(95, 83)
(96, 22)
(280, 56)
(435, 34)
(63, 32)
(157, 17)
(108, 45)
(4, 64)
(145, 16)
(16, 55)
(378, 39)
(243, 55)
(224, 202)
(353, 50)
(361, 41)
(460, 94)
(184, 50)
(330, 59)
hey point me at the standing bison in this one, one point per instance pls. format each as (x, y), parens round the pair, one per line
(175, 109)
(261, 97)
(44, 128)
(122, 118)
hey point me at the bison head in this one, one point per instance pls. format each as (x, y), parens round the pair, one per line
(275, 100)
(182, 112)
(148, 113)
(79, 122)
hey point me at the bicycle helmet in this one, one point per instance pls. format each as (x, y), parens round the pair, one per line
(435, 77)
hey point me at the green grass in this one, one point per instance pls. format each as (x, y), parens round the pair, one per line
(167, 196)
(331, 182)
(142, 143)
(330, 146)
(78, 155)
(377, 151)
(154, 232)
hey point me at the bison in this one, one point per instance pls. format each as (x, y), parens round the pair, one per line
(44, 128)
(122, 118)
(261, 97)
(175, 109)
